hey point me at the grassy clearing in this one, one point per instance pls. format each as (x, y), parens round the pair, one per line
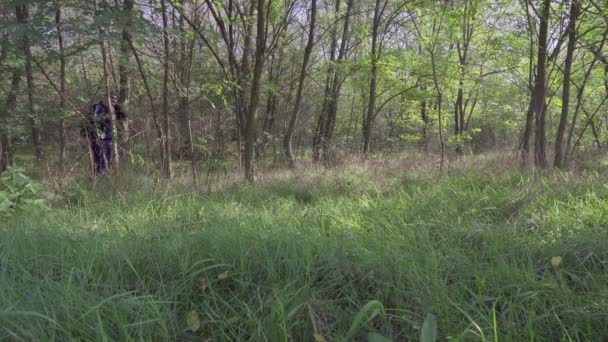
(318, 253)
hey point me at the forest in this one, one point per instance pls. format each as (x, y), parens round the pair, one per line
(303, 170)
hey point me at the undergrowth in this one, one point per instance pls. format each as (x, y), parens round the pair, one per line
(354, 254)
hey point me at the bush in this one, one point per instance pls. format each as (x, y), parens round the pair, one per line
(17, 191)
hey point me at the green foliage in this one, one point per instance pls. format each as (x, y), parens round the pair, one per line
(17, 192)
(349, 255)
(368, 312)
(428, 332)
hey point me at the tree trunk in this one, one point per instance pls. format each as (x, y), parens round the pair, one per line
(440, 121)
(371, 103)
(319, 136)
(23, 18)
(463, 52)
(527, 137)
(3, 54)
(336, 85)
(425, 121)
(540, 107)
(559, 159)
(529, 123)
(62, 89)
(5, 140)
(287, 141)
(165, 140)
(319, 130)
(439, 109)
(124, 69)
(254, 99)
(185, 70)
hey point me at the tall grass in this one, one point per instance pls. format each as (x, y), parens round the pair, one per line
(345, 255)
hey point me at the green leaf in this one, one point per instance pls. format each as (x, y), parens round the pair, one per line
(367, 313)
(429, 329)
(375, 337)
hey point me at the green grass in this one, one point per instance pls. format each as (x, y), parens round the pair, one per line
(342, 254)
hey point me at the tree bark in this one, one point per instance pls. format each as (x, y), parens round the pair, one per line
(23, 18)
(62, 88)
(5, 139)
(426, 122)
(287, 141)
(319, 131)
(463, 54)
(254, 99)
(124, 69)
(527, 137)
(373, 84)
(540, 88)
(336, 85)
(185, 71)
(529, 123)
(165, 140)
(559, 159)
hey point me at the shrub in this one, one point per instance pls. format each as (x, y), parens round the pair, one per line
(17, 191)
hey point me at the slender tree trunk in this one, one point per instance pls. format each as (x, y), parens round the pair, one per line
(527, 137)
(166, 146)
(185, 70)
(243, 72)
(440, 121)
(275, 71)
(3, 54)
(439, 103)
(540, 110)
(254, 99)
(371, 103)
(62, 88)
(559, 160)
(287, 141)
(529, 123)
(319, 137)
(124, 68)
(5, 139)
(23, 18)
(425, 121)
(320, 128)
(463, 52)
(332, 108)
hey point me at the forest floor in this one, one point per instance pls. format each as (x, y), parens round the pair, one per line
(388, 251)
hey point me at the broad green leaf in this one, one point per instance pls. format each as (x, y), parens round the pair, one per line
(429, 329)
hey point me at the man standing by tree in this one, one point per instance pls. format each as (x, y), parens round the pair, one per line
(100, 132)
